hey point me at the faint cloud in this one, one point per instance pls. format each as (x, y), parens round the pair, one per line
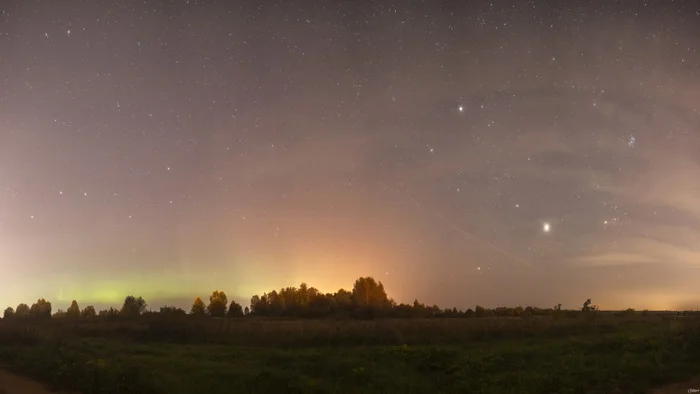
(642, 250)
(615, 259)
(673, 183)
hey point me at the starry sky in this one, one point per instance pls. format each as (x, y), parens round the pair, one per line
(492, 153)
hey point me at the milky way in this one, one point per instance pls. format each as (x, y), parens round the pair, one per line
(504, 153)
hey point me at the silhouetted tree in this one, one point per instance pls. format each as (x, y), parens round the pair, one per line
(88, 311)
(278, 302)
(246, 311)
(173, 311)
(41, 309)
(198, 308)
(343, 300)
(73, 309)
(321, 305)
(303, 295)
(133, 306)
(403, 310)
(259, 305)
(587, 307)
(217, 304)
(368, 293)
(59, 313)
(111, 312)
(234, 310)
(479, 311)
(419, 309)
(22, 310)
(589, 311)
(9, 313)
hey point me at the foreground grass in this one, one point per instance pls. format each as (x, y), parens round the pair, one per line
(444, 357)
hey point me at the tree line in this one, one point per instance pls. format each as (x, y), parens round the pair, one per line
(366, 299)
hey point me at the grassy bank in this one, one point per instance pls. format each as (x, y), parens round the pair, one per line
(528, 355)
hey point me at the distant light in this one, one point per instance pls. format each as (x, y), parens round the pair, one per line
(546, 227)
(461, 108)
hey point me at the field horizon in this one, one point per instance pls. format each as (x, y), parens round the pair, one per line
(298, 340)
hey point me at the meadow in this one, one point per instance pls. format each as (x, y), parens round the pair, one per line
(571, 353)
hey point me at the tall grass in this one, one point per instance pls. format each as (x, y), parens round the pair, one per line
(153, 354)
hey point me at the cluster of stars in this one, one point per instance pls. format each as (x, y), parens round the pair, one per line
(217, 130)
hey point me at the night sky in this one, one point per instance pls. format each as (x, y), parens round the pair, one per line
(502, 153)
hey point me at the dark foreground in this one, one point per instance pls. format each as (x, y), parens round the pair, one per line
(14, 384)
(537, 355)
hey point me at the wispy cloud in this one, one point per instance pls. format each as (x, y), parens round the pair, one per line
(615, 259)
(672, 182)
(643, 250)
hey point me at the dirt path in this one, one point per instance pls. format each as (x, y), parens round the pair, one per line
(690, 386)
(14, 384)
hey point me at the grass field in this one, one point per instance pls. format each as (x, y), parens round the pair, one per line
(612, 354)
